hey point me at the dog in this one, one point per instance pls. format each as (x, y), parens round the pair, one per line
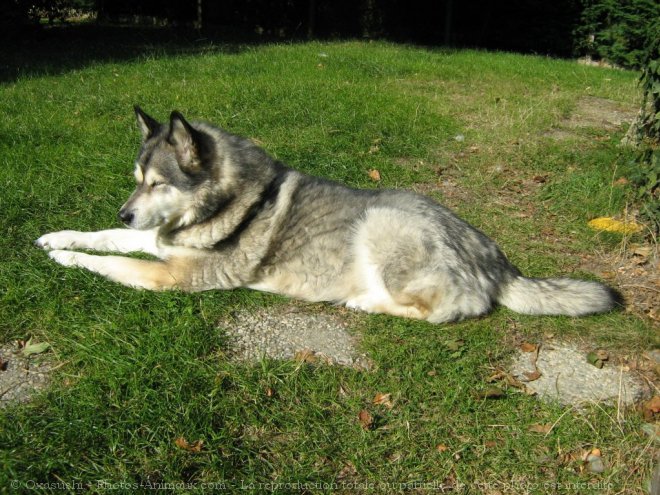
(219, 213)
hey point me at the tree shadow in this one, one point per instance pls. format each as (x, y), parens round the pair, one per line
(58, 49)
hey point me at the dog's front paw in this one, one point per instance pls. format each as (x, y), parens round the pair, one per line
(65, 258)
(64, 239)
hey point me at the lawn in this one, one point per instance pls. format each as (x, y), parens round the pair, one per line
(139, 370)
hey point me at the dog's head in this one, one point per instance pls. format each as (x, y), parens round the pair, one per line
(172, 172)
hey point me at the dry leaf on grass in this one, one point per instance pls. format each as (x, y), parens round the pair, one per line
(501, 375)
(374, 174)
(366, 419)
(528, 347)
(651, 408)
(375, 146)
(491, 393)
(383, 400)
(305, 356)
(182, 443)
(539, 428)
(348, 471)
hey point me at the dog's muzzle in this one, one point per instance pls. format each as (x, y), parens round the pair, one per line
(126, 216)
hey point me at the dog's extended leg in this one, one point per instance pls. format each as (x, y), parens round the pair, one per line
(113, 240)
(140, 274)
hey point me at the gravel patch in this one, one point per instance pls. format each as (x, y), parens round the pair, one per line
(21, 377)
(567, 377)
(291, 334)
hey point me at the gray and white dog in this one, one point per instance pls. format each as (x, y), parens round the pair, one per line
(219, 213)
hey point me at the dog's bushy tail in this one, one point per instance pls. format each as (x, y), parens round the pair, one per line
(557, 296)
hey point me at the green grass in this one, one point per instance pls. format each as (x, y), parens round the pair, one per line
(143, 369)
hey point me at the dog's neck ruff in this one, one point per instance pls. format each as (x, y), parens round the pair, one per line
(228, 220)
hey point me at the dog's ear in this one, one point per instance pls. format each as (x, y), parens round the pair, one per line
(190, 145)
(148, 125)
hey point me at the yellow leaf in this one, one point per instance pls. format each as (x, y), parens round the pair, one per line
(383, 399)
(182, 443)
(609, 224)
(374, 174)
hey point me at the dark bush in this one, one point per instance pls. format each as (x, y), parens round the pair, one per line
(617, 31)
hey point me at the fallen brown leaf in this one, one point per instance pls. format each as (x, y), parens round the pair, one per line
(496, 377)
(532, 375)
(538, 428)
(182, 443)
(374, 174)
(528, 347)
(650, 408)
(642, 251)
(347, 471)
(366, 419)
(305, 356)
(491, 393)
(441, 447)
(501, 375)
(383, 400)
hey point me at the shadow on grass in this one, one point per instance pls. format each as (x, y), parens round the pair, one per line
(58, 49)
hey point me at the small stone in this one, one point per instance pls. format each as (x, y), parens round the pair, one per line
(595, 464)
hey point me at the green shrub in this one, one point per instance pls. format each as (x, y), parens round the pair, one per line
(647, 178)
(617, 30)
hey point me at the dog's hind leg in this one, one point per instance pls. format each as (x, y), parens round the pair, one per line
(140, 274)
(113, 240)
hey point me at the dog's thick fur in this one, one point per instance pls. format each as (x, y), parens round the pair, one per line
(219, 213)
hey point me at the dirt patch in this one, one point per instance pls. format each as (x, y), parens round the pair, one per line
(290, 333)
(562, 372)
(636, 273)
(22, 377)
(601, 113)
(596, 113)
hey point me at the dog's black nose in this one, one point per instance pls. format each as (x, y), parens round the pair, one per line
(126, 216)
